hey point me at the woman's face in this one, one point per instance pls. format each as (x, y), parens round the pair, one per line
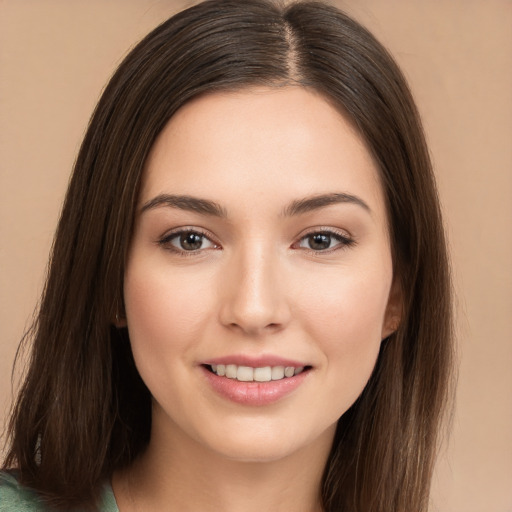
(261, 253)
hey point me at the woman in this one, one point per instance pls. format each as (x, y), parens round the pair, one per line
(248, 304)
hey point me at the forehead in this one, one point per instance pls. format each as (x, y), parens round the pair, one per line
(278, 142)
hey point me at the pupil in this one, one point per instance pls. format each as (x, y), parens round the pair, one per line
(319, 241)
(191, 241)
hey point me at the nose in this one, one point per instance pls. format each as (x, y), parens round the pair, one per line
(253, 294)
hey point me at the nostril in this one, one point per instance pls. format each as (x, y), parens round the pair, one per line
(254, 328)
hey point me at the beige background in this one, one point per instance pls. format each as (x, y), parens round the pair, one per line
(55, 57)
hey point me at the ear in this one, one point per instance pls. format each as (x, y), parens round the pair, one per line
(120, 321)
(394, 310)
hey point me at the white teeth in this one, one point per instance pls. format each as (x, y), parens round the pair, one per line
(249, 374)
(231, 371)
(289, 371)
(263, 374)
(245, 374)
(277, 372)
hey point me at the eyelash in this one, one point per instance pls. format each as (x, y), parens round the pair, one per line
(343, 240)
(166, 240)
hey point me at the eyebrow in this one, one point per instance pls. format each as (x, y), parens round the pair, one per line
(316, 202)
(208, 207)
(188, 203)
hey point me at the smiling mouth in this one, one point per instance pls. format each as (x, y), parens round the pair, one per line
(260, 374)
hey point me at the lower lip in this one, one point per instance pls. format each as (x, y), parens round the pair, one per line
(254, 393)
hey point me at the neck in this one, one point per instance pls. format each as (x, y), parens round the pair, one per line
(176, 473)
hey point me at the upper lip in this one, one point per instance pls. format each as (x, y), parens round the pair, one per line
(254, 361)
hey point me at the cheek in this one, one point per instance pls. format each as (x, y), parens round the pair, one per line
(345, 305)
(344, 317)
(165, 310)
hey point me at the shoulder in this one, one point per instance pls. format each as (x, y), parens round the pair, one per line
(14, 497)
(17, 498)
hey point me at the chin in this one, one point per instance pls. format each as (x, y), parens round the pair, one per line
(268, 443)
(255, 450)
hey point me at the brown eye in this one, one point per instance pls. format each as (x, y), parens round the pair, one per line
(186, 241)
(319, 241)
(190, 241)
(324, 240)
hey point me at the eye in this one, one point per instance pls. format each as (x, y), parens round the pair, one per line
(324, 240)
(187, 241)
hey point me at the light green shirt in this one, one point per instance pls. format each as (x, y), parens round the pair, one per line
(16, 498)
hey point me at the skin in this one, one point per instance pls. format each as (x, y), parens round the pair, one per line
(254, 286)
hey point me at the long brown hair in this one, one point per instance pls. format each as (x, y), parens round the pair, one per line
(83, 411)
